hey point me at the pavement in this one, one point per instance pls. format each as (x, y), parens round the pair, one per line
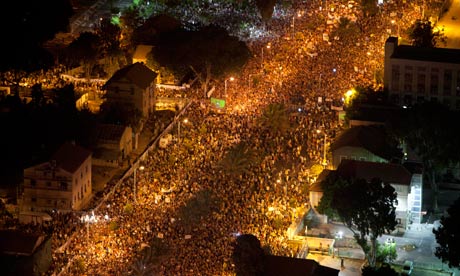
(450, 24)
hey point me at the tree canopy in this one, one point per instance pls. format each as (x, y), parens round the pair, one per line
(448, 236)
(366, 208)
(248, 256)
(27, 24)
(210, 52)
(423, 34)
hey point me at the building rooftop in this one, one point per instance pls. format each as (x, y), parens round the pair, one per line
(137, 73)
(110, 133)
(387, 172)
(281, 266)
(443, 55)
(69, 157)
(372, 138)
(13, 242)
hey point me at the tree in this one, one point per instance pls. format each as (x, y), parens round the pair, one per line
(27, 25)
(346, 30)
(197, 207)
(85, 50)
(367, 209)
(423, 34)
(427, 129)
(275, 118)
(447, 236)
(248, 256)
(237, 160)
(210, 53)
(150, 257)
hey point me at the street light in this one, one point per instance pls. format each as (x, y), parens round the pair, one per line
(178, 127)
(88, 219)
(268, 47)
(324, 163)
(141, 168)
(225, 82)
(293, 23)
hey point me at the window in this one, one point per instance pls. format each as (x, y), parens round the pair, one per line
(33, 199)
(48, 184)
(63, 186)
(421, 83)
(33, 182)
(408, 82)
(447, 85)
(434, 81)
(395, 76)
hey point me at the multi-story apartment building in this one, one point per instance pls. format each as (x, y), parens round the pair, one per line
(132, 86)
(62, 183)
(415, 74)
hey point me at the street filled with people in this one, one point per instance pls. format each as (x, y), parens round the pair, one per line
(186, 200)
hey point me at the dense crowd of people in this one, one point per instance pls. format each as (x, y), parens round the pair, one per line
(262, 200)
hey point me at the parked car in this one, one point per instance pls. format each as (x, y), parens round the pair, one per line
(407, 268)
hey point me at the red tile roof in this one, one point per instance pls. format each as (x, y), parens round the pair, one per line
(137, 73)
(387, 172)
(372, 138)
(69, 157)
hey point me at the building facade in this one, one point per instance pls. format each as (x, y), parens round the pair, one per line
(415, 74)
(132, 87)
(62, 183)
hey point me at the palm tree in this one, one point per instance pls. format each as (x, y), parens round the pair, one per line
(150, 258)
(275, 118)
(238, 160)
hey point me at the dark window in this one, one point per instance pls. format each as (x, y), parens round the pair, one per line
(33, 199)
(64, 186)
(33, 182)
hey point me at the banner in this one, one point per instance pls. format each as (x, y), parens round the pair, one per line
(217, 103)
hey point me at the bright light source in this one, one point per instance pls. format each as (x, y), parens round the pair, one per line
(141, 168)
(334, 70)
(232, 78)
(271, 208)
(299, 109)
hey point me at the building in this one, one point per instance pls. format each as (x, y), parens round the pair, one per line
(62, 183)
(24, 253)
(114, 144)
(407, 185)
(281, 265)
(132, 87)
(365, 143)
(415, 74)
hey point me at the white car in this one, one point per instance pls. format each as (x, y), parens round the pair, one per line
(407, 268)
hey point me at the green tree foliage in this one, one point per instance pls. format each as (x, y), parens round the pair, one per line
(84, 51)
(379, 271)
(238, 160)
(275, 118)
(427, 129)
(386, 253)
(26, 25)
(346, 30)
(423, 34)
(196, 208)
(448, 236)
(150, 257)
(248, 256)
(210, 52)
(366, 208)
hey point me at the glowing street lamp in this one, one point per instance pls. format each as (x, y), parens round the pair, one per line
(178, 127)
(293, 23)
(225, 82)
(268, 46)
